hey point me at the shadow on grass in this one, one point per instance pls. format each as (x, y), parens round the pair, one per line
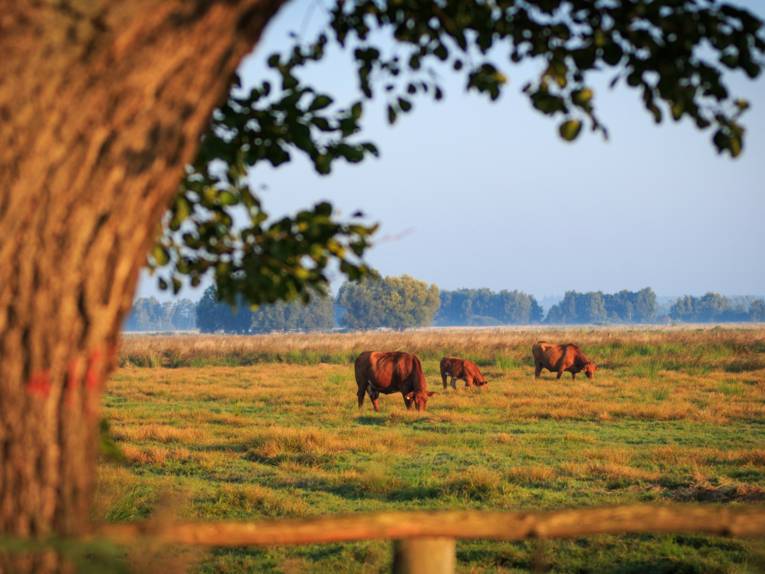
(392, 491)
(369, 420)
(664, 566)
(514, 557)
(397, 419)
(717, 493)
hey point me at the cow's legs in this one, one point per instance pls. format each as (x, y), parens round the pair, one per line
(573, 375)
(409, 402)
(537, 370)
(443, 378)
(362, 389)
(560, 374)
(454, 383)
(373, 396)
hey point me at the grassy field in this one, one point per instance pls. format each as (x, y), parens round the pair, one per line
(255, 427)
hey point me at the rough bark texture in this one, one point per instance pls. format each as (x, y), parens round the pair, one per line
(102, 103)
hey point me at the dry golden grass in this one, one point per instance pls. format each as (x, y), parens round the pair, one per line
(156, 455)
(532, 474)
(511, 344)
(158, 432)
(312, 445)
(476, 483)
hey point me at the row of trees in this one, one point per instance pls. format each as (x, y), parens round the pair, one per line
(641, 307)
(148, 314)
(214, 315)
(405, 302)
(714, 308)
(486, 307)
(598, 307)
(392, 302)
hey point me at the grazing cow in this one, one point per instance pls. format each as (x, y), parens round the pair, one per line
(560, 358)
(388, 373)
(461, 369)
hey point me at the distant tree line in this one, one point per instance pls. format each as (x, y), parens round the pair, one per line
(148, 314)
(392, 302)
(214, 315)
(715, 308)
(486, 307)
(598, 307)
(404, 302)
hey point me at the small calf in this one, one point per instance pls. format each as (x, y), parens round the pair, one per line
(461, 369)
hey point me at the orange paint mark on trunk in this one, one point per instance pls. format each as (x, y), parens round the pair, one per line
(93, 377)
(39, 384)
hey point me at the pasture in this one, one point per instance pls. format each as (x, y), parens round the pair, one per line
(224, 427)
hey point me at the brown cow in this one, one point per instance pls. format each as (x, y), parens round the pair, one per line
(560, 358)
(388, 373)
(461, 369)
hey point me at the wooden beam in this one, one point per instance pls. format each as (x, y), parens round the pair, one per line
(717, 520)
(424, 556)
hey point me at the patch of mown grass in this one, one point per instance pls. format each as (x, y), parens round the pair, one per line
(133, 504)
(473, 483)
(242, 437)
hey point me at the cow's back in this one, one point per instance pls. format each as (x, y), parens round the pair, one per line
(547, 354)
(470, 368)
(389, 371)
(574, 355)
(452, 366)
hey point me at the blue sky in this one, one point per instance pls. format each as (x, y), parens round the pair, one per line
(477, 194)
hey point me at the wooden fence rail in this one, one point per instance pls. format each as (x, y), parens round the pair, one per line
(425, 540)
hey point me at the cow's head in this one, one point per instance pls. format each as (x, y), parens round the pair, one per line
(482, 382)
(420, 398)
(589, 369)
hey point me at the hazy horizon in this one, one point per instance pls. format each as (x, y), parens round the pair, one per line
(477, 194)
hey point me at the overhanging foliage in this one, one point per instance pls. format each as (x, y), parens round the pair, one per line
(674, 54)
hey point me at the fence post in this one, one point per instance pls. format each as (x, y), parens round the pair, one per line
(424, 556)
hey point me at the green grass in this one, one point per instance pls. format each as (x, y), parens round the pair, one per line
(285, 439)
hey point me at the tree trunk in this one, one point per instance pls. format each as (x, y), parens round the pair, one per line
(102, 103)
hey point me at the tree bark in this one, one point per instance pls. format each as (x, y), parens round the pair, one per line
(102, 103)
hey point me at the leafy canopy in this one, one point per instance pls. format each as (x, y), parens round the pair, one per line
(674, 53)
(391, 302)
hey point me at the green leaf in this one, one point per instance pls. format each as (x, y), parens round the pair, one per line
(227, 198)
(392, 114)
(160, 255)
(569, 130)
(582, 97)
(320, 102)
(323, 164)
